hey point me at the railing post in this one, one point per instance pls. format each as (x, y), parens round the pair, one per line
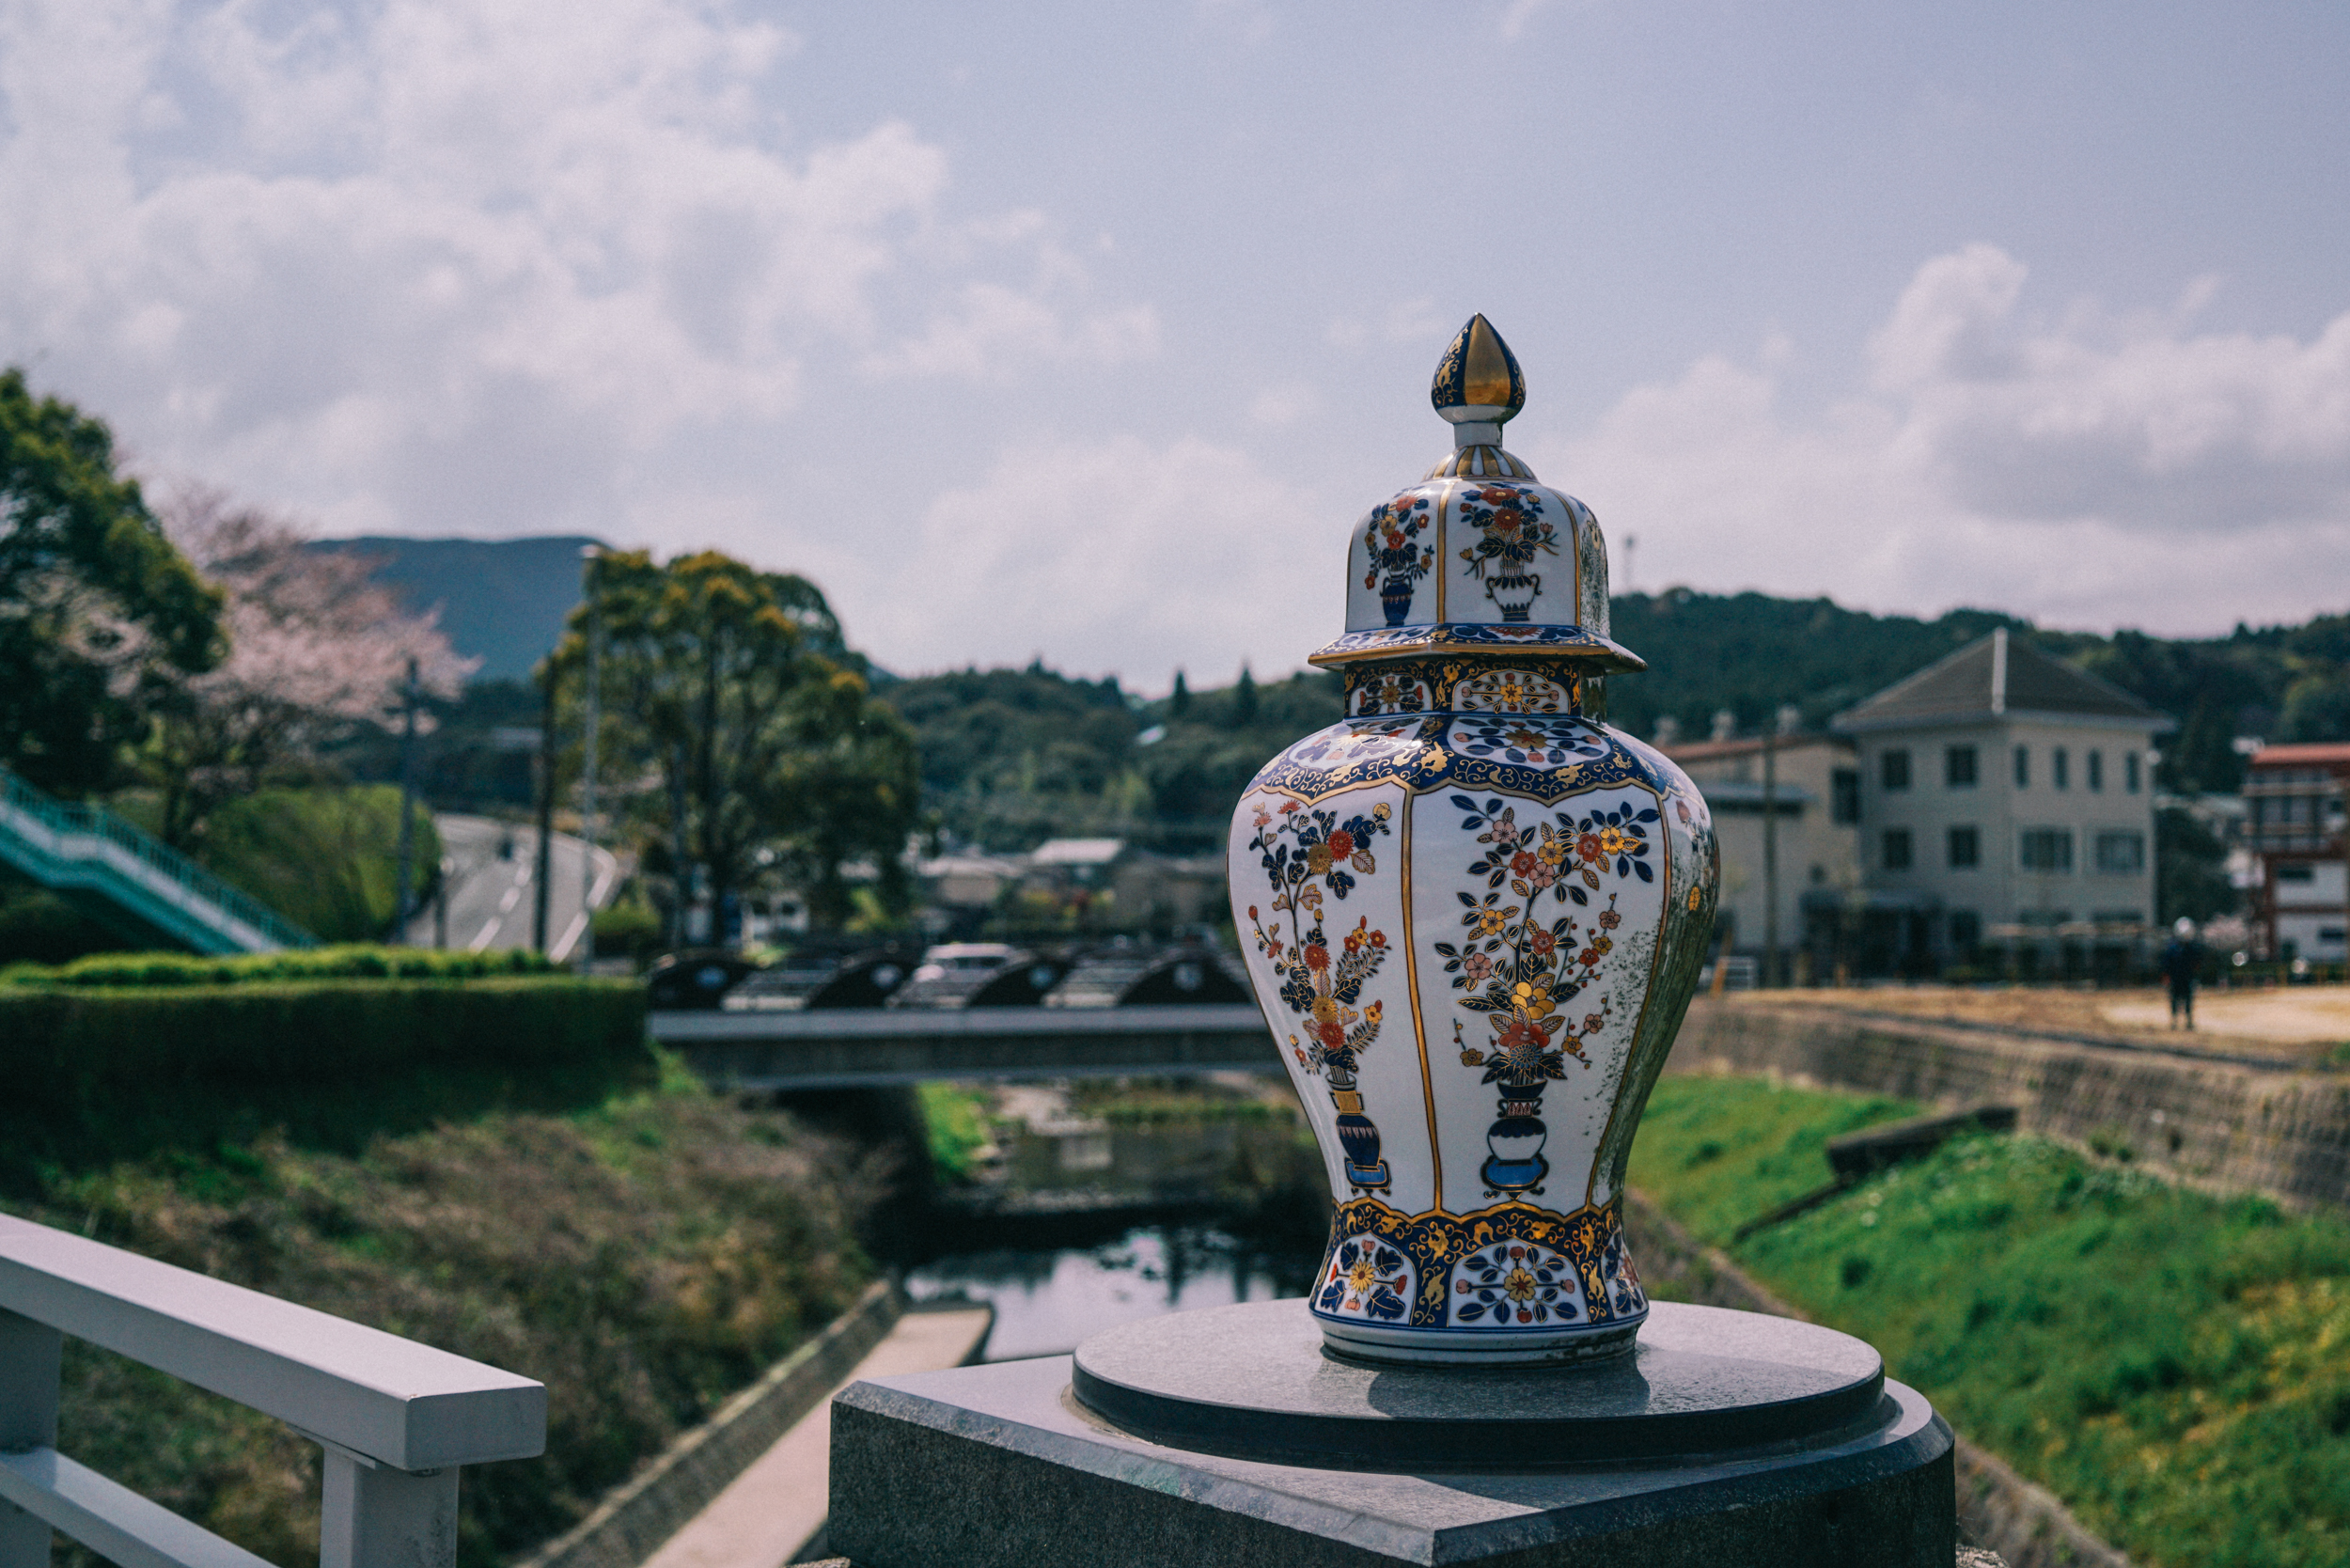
(379, 1517)
(29, 1354)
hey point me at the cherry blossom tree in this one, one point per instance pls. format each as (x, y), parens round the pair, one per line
(316, 648)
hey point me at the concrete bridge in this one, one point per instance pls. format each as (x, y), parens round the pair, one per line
(830, 1049)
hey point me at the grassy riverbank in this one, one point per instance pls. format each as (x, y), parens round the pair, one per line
(643, 1257)
(2167, 1362)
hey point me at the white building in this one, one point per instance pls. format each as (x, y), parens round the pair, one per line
(2006, 799)
(2295, 797)
(1812, 783)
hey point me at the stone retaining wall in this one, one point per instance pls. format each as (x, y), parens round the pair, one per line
(2218, 1123)
(636, 1518)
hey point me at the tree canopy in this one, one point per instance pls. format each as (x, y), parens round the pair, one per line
(96, 604)
(743, 743)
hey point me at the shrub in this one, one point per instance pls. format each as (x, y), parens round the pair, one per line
(104, 1072)
(353, 961)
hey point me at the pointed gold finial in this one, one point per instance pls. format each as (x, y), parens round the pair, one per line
(1478, 383)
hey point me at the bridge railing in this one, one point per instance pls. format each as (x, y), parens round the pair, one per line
(68, 819)
(395, 1419)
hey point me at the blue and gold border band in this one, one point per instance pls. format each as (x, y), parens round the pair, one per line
(1554, 642)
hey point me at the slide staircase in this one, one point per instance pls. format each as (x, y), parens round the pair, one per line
(132, 881)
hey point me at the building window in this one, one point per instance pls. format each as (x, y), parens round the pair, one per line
(1846, 785)
(1893, 768)
(1958, 767)
(2047, 849)
(2129, 771)
(2122, 853)
(2096, 770)
(2060, 768)
(1965, 928)
(2023, 767)
(2296, 874)
(1897, 856)
(1965, 848)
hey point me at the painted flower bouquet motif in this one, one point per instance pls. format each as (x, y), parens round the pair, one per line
(1311, 857)
(1521, 972)
(1512, 532)
(1390, 544)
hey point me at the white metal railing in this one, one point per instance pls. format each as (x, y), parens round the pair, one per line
(396, 1418)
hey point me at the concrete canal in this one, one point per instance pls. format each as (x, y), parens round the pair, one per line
(1071, 1207)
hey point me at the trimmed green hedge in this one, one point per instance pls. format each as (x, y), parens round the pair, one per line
(344, 963)
(100, 1073)
(353, 961)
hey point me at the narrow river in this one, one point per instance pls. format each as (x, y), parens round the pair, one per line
(1097, 1204)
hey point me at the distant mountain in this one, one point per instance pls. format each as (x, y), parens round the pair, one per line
(501, 600)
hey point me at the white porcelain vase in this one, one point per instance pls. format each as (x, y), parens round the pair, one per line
(1474, 916)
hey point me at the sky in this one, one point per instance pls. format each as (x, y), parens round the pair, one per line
(1085, 333)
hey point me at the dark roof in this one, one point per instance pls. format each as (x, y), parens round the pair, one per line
(2302, 753)
(1997, 675)
(1749, 746)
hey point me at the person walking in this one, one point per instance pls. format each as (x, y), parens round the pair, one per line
(2182, 960)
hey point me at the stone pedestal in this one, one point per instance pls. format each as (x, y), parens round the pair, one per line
(1228, 1437)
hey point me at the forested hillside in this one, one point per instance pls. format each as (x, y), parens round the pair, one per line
(1011, 758)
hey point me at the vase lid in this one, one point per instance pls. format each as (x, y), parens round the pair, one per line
(1479, 557)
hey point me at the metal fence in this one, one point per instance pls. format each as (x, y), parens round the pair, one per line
(65, 818)
(395, 1419)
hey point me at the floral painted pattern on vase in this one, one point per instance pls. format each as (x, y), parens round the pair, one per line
(1524, 973)
(1515, 1282)
(1529, 740)
(1390, 692)
(1397, 558)
(1307, 855)
(1475, 916)
(1512, 532)
(1367, 1277)
(1512, 690)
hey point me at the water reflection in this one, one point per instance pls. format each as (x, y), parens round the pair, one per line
(1047, 1300)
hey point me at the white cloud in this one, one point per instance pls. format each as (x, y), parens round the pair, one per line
(1413, 321)
(1122, 554)
(2087, 469)
(479, 265)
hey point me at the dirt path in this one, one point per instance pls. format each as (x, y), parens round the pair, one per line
(2307, 1022)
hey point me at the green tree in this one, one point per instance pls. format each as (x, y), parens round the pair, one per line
(2190, 869)
(769, 756)
(97, 608)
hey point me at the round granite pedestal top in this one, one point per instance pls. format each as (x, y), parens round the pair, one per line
(1252, 1382)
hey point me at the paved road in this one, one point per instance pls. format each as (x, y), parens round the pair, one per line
(491, 899)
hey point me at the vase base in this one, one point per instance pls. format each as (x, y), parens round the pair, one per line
(1256, 1381)
(1571, 1347)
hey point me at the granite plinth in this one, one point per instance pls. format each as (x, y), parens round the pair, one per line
(1255, 1382)
(1002, 1464)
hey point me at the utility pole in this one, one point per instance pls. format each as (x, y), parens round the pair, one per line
(1770, 856)
(407, 812)
(544, 873)
(588, 788)
(684, 872)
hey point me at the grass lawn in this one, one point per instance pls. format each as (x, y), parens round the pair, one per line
(2175, 1366)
